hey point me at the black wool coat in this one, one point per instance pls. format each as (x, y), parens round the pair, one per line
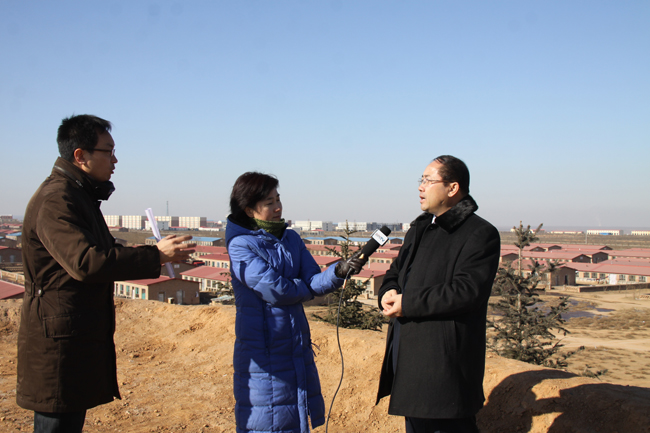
(441, 353)
(66, 354)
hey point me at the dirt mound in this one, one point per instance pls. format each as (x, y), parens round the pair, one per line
(175, 372)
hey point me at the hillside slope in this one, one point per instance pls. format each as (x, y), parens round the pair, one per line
(175, 372)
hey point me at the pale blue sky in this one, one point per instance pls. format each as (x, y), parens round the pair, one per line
(345, 101)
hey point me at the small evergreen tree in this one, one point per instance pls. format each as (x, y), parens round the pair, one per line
(352, 313)
(523, 326)
(224, 290)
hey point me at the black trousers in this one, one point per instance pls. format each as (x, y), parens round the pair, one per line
(424, 425)
(69, 422)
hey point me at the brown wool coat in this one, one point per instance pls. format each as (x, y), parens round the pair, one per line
(66, 354)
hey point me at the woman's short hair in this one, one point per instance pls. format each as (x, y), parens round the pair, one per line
(80, 132)
(250, 188)
(454, 170)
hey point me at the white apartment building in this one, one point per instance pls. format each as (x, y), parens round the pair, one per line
(640, 232)
(162, 225)
(192, 222)
(172, 221)
(605, 232)
(326, 226)
(113, 220)
(133, 221)
(360, 226)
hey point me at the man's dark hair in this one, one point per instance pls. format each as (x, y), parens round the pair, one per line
(454, 170)
(80, 132)
(250, 188)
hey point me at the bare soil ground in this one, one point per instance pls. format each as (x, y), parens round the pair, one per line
(175, 371)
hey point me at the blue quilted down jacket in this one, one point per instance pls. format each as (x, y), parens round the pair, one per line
(276, 383)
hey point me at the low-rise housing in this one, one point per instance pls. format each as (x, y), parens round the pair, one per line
(606, 232)
(11, 291)
(11, 255)
(163, 289)
(604, 273)
(208, 277)
(216, 260)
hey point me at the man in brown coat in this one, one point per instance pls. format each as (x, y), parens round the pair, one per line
(66, 353)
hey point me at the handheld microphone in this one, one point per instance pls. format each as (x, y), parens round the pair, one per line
(378, 238)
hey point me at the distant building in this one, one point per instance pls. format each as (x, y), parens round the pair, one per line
(171, 221)
(321, 241)
(10, 255)
(605, 232)
(11, 290)
(162, 225)
(199, 240)
(324, 262)
(4, 242)
(326, 226)
(192, 223)
(135, 222)
(216, 260)
(201, 250)
(640, 232)
(208, 277)
(605, 273)
(113, 220)
(161, 289)
(354, 225)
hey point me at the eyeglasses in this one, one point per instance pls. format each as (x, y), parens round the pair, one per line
(111, 151)
(424, 181)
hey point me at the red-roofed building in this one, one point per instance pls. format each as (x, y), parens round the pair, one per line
(326, 261)
(585, 247)
(389, 247)
(216, 260)
(388, 257)
(559, 256)
(322, 250)
(208, 277)
(11, 291)
(604, 273)
(161, 289)
(629, 254)
(372, 279)
(202, 250)
(564, 275)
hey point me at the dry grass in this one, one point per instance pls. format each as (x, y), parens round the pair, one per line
(632, 319)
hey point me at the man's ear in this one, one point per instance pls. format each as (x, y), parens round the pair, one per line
(249, 212)
(79, 156)
(454, 189)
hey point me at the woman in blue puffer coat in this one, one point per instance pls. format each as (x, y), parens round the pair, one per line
(276, 383)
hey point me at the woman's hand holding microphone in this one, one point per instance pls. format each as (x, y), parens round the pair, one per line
(351, 266)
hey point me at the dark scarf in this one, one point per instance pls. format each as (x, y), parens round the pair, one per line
(276, 228)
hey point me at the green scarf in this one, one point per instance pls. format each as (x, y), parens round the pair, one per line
(276, 228)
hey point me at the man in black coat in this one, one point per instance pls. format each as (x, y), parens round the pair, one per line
(436, 293)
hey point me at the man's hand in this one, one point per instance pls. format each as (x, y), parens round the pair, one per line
(392, 304)
(172, 248)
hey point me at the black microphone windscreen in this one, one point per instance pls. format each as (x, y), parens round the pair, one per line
(379, 237)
